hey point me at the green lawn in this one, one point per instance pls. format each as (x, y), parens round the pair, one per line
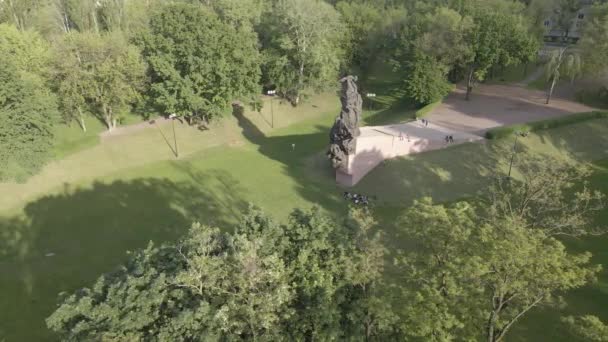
(81, 215)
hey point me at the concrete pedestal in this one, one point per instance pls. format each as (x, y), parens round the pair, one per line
(378, 143)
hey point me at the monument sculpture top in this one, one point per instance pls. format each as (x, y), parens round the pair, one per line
(343, 134)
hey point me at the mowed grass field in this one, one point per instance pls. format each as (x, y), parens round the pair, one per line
(84, 212)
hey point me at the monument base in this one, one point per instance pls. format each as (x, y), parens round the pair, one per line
(379, 143)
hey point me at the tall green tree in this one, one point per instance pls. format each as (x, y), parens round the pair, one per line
(364, 22)
(301, 46)
(550, 196)
(198, 64)
(431, 45)
(368, 307)
(481, 277)
(594, 42)
(498, 39)
(209, 285)
(303, 280)
(588, 328)
(564, 61)
(28, 109)
(20, 13)
(100, 73)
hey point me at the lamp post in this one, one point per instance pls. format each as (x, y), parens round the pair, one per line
(172, 117)
(517, 135)
(271, 93)
(370, 96)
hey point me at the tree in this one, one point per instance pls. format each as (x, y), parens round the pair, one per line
(211, 284)
(481, 277)
(368, 306)
(497, 39)
(265, 281)
(589, 328)
(429, 47)
(198, 64)
(26, 50)
(18, 12)
(364, 22)
(28, 109)
(594, 42)
(427, 80)
(550, 196)
(301, 46)
(99, 73)
(241, 13)
(436, 275)
(561, 62)
(314, 255)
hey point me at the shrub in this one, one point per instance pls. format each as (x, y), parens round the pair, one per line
(506, 131)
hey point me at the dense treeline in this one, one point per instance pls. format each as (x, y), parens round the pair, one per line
(470, 271)
(193, 58)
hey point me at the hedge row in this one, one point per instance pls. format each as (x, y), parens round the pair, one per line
(506, 131)
(422, 112)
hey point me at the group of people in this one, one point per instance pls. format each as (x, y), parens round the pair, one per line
(357, 199)
(449, 139)
(425, 122)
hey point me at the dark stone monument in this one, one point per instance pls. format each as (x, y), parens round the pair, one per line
(343, 134)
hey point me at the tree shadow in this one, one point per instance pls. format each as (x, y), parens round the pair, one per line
(65, 241)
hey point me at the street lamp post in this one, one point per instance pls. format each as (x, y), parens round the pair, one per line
(271, 93)
(370, 96)
(517, 135)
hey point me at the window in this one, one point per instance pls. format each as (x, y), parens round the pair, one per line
(581, 15)
(547, 23)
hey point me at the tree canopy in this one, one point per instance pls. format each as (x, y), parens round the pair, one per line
(302, 48)
(101, 74)
(198, 63)
(28, 110)
(302, 280)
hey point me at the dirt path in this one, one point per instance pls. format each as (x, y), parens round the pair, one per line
(494, 105)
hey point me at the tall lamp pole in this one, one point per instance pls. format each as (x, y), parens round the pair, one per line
(370, 96)
(271, 93)
(517, 135)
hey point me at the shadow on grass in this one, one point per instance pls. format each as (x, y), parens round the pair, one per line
(65, 241)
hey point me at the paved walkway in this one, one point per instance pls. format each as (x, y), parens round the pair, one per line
(494, 105)
(466, 121)
(378, 143)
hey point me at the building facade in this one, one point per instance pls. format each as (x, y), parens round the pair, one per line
(555, 33)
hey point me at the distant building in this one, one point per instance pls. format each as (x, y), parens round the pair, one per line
(573, 34)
